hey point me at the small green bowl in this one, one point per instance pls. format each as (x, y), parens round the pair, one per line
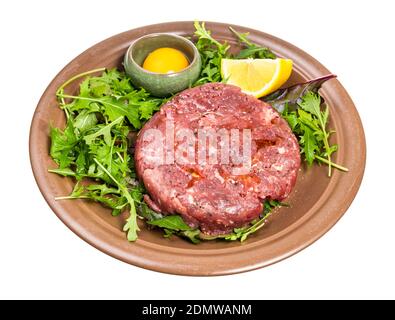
(160, 84)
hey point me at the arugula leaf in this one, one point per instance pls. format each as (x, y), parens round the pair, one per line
(204, 34)
(107, 196)
(192, 235)
(111, 107)
(171, 225)
(251, 49)
(211, 52)
(104, 131)
(292, 119)
(309, 124)
(309, 144)
(130, 226)
(147, 108)
(65, 172)
(147, 213)
(175, 225)
(62, 145)
(85, 120)
(174, 222)
(243, 233)
(311, 103)
(102, 189)
(117, 108)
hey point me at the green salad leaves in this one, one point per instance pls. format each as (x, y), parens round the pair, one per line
(175, 225)
(308, 115)
(211, 52)
(108, 111)
(309, 124)
(94, 145)
(251, 50)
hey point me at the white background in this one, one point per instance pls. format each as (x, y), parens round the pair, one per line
(41, 258)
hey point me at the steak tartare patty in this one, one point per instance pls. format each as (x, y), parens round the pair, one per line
(216, 197)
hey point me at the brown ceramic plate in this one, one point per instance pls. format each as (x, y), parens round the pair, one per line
(317, 202)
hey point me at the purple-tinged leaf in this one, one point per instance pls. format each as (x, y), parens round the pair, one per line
(292, 95)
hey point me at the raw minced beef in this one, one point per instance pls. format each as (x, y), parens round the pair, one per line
(217, 197)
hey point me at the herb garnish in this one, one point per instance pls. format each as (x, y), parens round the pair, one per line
(95, 142)
(251, 50)
(211, 52)
(175, 225)
(309, 124)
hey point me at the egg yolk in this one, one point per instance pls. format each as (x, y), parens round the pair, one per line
(165, 60)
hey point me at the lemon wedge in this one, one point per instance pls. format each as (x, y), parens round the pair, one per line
(257, 77)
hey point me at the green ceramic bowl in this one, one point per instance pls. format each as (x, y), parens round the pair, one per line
(160, 84)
